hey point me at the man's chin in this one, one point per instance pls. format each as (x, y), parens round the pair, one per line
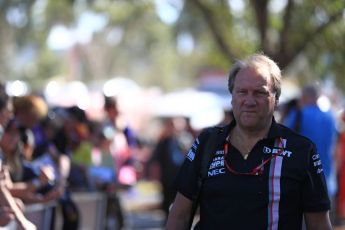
(249, 123)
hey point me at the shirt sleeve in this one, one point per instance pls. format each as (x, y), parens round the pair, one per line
(187, 178)
(315, 196)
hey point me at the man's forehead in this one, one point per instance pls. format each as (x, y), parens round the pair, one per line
(254, 72)
(251, 77)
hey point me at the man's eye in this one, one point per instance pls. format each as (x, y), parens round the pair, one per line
(262, 93)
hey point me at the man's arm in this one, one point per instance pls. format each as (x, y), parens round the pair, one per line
(180, 212)
(317, 221)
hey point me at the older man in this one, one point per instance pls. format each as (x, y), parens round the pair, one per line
(261, 175)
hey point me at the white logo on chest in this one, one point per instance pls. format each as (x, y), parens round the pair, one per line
(268, 150)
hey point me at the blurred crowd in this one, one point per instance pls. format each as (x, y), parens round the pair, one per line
(48, 152)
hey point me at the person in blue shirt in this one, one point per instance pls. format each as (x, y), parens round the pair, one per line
(320, 127)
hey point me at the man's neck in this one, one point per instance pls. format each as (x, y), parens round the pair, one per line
(244, 140)
(251, 134)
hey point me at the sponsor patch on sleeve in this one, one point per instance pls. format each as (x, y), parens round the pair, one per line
(191, 153)
(317, 163)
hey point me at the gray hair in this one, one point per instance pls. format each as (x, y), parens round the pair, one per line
(259, 62)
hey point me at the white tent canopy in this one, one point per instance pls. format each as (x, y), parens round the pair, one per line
(203, 108)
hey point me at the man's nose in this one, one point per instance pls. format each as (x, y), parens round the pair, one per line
(250, 99)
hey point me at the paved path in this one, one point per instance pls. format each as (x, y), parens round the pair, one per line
(149, 220)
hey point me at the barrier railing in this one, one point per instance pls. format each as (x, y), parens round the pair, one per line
(40, 214)
(91, 206)
(92, 209)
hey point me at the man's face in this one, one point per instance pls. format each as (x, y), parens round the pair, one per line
(253, 101)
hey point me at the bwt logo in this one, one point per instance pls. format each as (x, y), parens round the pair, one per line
(268, 150)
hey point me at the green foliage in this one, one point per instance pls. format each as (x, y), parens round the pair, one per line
(137, 44)
(59, 12)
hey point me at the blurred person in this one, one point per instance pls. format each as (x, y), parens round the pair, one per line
(60, 136)
(261, 175)
(45, 153)
(77, 129)
(43, 176)
(24, 183)
(340, 165)
(168, 155)
(29, 110)
(54, 148)
(10, 148)
(5, 116)
(320, 126)
(6, 108)
(114, 119)
(103, 174)
(9, 208)
(286, 108)
(103, 164)
(19, 143)
(124, 144)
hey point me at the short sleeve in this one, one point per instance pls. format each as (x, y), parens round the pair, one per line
(315, 196)
(189, 172)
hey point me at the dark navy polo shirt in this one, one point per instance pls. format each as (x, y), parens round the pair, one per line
(290, 184)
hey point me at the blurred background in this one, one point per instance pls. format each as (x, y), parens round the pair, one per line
(165, 59)
(156, 46)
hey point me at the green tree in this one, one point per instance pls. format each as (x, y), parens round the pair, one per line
(308, 30)
(304, 37)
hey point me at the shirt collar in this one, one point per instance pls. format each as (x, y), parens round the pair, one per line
(274, 131)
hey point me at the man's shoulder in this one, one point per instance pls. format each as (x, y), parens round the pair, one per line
(220, 130)
(292, 135)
